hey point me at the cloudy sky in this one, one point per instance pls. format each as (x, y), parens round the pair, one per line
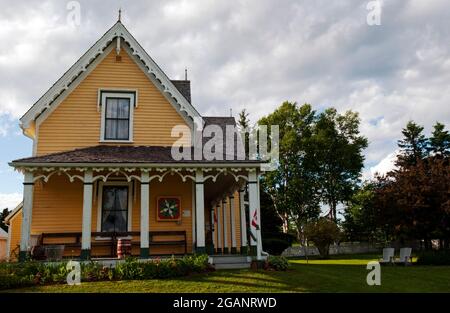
(244, 54)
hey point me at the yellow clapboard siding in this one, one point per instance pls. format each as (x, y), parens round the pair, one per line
(16, 227)
(58, 207)
(75, 123)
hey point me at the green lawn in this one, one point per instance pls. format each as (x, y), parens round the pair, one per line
(340, 274)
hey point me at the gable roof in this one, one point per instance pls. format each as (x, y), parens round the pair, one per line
(13, 213)
(62, 87)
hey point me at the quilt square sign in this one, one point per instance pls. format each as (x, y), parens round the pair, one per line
(169, 208)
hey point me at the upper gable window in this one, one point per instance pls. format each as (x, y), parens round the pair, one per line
(117, 116)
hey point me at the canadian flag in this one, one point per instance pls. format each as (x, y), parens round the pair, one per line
(255, 220)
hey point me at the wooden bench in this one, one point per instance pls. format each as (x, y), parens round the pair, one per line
(183, 242)
(109, 239)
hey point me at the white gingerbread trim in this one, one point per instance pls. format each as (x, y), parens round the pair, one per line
(60, 89)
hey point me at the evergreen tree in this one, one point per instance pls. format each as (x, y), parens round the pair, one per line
(439, 143)
(412, 146)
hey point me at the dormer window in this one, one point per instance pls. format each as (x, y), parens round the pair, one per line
(117, 116)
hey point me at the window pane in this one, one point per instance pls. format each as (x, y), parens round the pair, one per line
(108, 198)
(114, 221)
(111, 129)
(111, 107)
(114, 209)
(120, 221)
(122, 129)
(121, 198)
(123, 108)
(108, 221)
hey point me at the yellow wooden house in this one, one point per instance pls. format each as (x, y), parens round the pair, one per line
(102, 167)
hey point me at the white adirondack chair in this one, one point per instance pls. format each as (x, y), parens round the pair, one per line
(388, 256)
(405, 256)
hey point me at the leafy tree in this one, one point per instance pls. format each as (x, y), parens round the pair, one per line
(337, 148)
(440, 141)
(414, 201)
(323, 233)
(360, 221)
(3, 216)
(292, 186)
(413, 145)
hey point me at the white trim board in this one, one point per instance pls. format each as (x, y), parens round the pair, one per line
(131, 96)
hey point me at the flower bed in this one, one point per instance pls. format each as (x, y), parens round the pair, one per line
(16, 275)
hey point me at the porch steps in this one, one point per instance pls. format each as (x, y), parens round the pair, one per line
(230, 261)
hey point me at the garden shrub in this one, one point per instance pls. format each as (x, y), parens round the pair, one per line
(275, 246)
(323, 233)
(93, 271)
(439, 257)
(16, 275)
(277, 263)
(130, 269)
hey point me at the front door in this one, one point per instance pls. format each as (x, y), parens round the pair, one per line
(115, 209)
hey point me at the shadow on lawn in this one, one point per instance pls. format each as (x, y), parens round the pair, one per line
(300, 278)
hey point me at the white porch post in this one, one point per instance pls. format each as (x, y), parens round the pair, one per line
(233, 226)
(87, 216)
(244, 242)
(145, 200)
(200, 211)
(225, 227)
(259, 221)
(253, 198)
(213, 229)
(219, 229)
(26, 215)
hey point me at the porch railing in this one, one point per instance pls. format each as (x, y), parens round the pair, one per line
(72, 240)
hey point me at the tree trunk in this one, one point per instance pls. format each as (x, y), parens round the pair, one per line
(285, 225)
(332, 214)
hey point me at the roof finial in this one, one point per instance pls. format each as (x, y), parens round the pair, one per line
(185, 73)
(120, 14)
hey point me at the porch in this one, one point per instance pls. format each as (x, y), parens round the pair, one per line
(217, 202)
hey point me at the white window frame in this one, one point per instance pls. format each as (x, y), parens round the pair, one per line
(100, 205)
(129, 94)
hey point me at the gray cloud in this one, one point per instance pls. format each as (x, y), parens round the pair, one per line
(254, 55)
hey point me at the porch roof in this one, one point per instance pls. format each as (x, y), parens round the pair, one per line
(104, 154)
